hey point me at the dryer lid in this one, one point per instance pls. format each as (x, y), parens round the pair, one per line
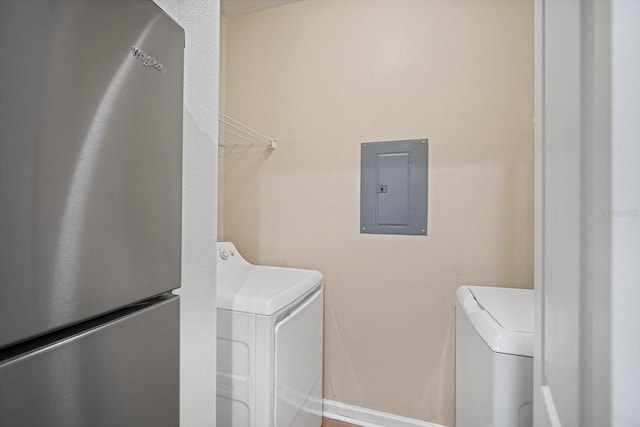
(503, 317)
(259, 289)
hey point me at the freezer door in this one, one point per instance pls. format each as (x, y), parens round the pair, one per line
(90, 159)
(123, 373)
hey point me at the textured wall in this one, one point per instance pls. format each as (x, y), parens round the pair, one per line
(625, 201)
(324, 76)
(200, 19)
(223, 98)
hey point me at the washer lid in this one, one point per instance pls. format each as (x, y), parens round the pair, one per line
(503, 317)
(259, 289)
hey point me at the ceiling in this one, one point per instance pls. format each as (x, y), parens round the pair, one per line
(241, 7)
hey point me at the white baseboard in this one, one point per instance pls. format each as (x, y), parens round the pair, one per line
(368, 417)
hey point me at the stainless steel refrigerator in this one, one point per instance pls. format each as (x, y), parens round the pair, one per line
(90, 213)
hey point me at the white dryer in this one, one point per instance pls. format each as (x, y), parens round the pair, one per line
(494, 357)
(269, 344)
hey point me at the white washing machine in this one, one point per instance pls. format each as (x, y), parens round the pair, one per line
(494, 357)
(269, 346)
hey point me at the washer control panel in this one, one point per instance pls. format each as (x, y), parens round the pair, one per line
(224, 254)
(229, 255)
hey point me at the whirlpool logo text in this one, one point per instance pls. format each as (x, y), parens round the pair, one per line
(147, 60)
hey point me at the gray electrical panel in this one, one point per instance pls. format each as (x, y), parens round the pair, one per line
(393, 187)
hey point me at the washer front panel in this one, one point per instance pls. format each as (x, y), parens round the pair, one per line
(298, 365)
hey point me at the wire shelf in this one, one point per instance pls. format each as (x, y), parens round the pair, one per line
(232, 132)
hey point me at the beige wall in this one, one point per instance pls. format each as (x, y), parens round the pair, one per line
(324, 76)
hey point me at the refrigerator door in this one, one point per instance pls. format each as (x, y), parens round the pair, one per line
(124, 372)
(90, 160)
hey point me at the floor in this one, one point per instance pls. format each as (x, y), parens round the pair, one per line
(326, 422)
